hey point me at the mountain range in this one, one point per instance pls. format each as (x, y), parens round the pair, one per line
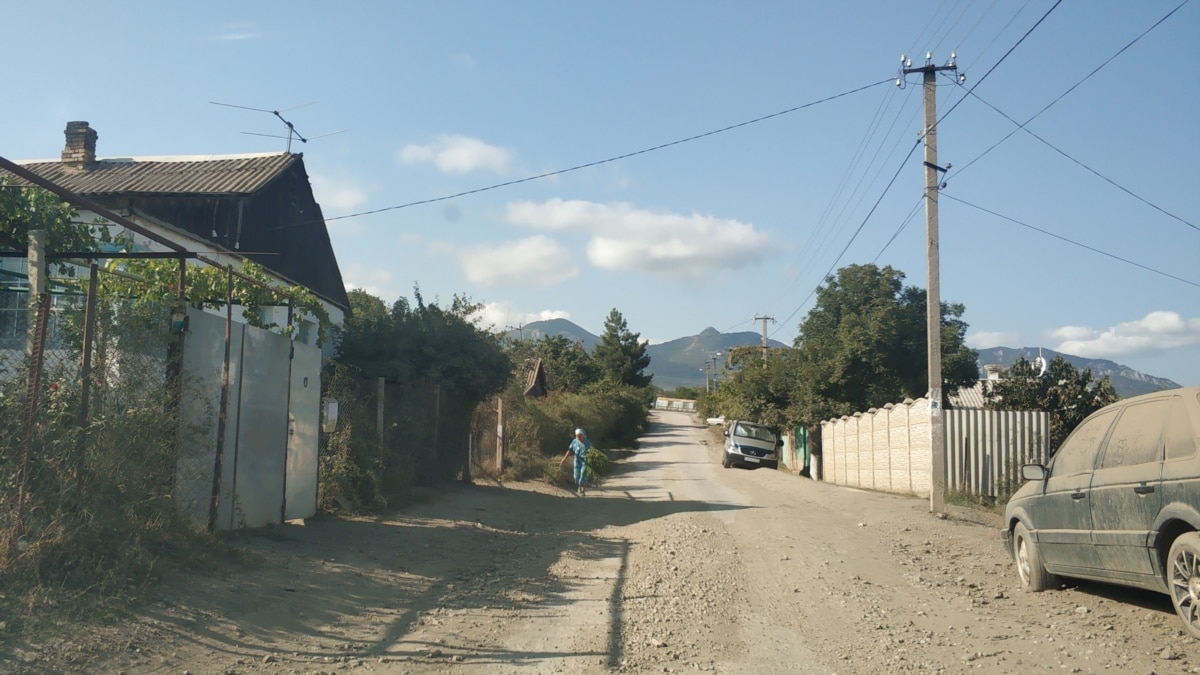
(688, 361)
(1127, 381)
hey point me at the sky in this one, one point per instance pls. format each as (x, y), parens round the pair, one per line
(691, 164)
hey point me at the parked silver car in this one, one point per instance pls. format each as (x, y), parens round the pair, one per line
(751, 445)
(1119, 503)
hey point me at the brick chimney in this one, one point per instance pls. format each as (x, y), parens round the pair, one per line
(80, 151)
(993, 371)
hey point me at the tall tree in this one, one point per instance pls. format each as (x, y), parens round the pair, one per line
(755, 389)
(424, 341)
(568, 365)
(863, 345)
(1065, 392)
(621, 355)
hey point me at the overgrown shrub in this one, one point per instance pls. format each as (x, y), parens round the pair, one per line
(538, 431)
(98, 516)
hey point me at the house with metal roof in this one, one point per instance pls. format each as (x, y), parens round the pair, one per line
(257, 207)
(252, 407)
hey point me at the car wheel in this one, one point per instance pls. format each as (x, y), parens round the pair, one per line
(1034, 577)
(1183, 579)
(725, 459)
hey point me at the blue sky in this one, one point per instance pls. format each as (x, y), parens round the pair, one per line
(1081, 236)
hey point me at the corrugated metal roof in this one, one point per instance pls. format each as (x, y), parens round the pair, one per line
(971, 397)
(204, 175)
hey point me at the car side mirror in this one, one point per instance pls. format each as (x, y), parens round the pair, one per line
(725, 433)
(1033, 472)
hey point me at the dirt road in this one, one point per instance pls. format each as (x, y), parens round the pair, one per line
(673, 565)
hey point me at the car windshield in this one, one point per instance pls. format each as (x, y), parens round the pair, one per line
(756, 432)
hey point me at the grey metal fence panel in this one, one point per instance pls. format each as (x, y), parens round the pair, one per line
(985, 448)
(304, 416)
(203, 354)
(260, 455)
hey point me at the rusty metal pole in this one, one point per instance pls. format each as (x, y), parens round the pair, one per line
(32, 389)
(223, 411)
(85, 377)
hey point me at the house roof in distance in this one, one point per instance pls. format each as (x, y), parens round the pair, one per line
(196, 175)
(260, 205)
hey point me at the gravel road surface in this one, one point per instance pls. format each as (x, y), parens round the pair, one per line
(672, 565)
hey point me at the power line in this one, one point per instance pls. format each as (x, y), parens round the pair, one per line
(611, 159)
(903, 224)
(853, 237)
(913, 149)
(1073, 242)
(1106, 179)
(832, 219)
(1002, 58)
(1023, 126)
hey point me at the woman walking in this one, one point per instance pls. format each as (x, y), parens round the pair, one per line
(579, 447)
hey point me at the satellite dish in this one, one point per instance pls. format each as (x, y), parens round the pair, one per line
(1040, 365)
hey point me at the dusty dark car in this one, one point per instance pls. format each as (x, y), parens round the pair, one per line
(1118, 503)
(750, 445)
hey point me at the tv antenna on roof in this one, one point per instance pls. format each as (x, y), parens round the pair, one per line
(291, 128)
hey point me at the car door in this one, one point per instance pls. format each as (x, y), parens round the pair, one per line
(1126, 495)
(1062, 515)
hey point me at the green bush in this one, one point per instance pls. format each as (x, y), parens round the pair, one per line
(538, 432)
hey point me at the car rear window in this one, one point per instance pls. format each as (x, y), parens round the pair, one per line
(1077, 454)
(1137, 436)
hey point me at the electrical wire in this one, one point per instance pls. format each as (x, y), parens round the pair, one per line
(913, 149)
(903, 224)
(1073, 242)
(1106, 179)
(1023, 126)
(997, 64)
(627, 155)
(852, 238)
(829, 224)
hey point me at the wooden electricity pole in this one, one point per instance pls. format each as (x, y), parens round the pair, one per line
(933, 300)
(764, 319)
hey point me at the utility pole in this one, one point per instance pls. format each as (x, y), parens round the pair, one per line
(712, 357)
(764, 319)
(933, 300)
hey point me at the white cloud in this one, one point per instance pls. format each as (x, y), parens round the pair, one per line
(504, 316)
(538, 261)
(455, 153)
(337, 196)
(663, 244)
(987, 339)
(1156, 332)
(374, 280)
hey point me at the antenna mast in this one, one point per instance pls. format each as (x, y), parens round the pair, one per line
(291, 128)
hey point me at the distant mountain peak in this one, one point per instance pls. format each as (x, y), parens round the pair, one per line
(710, 331)
(1127, 381)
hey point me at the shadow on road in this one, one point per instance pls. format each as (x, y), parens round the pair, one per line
(474, 551)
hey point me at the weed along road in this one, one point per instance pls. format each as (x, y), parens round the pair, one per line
(673, 564)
